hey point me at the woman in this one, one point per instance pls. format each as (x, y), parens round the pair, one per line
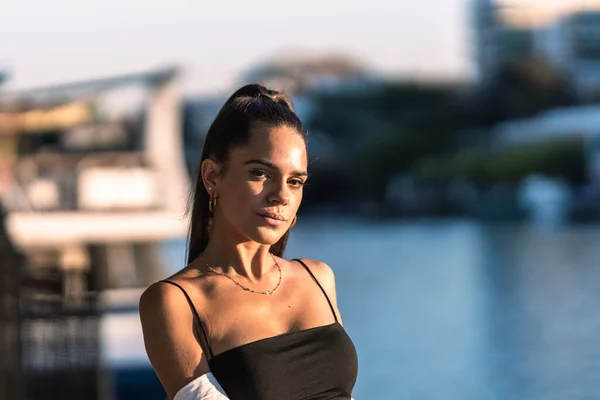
(267, 328)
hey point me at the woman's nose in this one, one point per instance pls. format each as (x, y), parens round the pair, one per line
(280, 195)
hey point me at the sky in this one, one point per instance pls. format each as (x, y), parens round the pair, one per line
(45, 42)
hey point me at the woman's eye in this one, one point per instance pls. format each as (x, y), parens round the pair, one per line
(259, 173)
(297, 182)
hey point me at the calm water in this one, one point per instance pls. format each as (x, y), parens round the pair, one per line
(459, 310)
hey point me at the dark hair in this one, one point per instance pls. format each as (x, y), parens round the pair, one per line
(247, 108)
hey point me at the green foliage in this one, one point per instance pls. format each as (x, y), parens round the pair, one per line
(557, 158)
(408, 127)
(391, 109)
(383, 131)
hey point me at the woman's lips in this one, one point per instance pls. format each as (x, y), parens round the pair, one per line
(272, 219)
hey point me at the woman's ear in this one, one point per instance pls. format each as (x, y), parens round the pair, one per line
(210, 171)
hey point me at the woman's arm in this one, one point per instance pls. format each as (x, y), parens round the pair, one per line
(168, 327)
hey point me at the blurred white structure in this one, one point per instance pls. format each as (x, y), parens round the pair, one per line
(87, 193)
(82, 196)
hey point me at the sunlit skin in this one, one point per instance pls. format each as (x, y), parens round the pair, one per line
(259, 190)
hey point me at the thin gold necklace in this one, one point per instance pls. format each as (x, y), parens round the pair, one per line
(247, 289)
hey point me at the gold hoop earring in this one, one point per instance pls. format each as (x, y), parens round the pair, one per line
(212, 203)
(294, 221)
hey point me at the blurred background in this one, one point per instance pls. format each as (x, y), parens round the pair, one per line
(454, 190)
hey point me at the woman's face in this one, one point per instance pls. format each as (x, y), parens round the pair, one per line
(260, 189)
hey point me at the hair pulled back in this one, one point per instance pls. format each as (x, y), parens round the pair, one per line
(248, 107)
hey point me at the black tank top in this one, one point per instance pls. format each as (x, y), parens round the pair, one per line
(313, 364)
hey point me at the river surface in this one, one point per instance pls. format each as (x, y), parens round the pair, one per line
(462, 310)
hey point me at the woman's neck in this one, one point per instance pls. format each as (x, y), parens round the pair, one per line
(234, 257)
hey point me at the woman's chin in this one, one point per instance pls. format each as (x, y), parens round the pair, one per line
(268, 236)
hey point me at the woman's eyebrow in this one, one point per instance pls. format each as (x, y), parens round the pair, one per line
(273, 166)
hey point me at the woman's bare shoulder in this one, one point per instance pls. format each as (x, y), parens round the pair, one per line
(324, 274)
(321, 270)
(161, 298)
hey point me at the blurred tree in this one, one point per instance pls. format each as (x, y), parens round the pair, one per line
(521, 89)
(384, 131)
(562, 158)
(398, 127)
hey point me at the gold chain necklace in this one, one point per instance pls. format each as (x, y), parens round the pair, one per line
(247, 289)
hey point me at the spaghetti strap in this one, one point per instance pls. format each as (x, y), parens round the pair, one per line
(189, 300)
(321, 287)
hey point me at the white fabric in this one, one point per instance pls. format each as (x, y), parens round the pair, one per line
(204, 387)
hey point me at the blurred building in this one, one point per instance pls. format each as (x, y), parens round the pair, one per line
(572, 45)
(496, 40)
(568, 42)
(300, 73)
